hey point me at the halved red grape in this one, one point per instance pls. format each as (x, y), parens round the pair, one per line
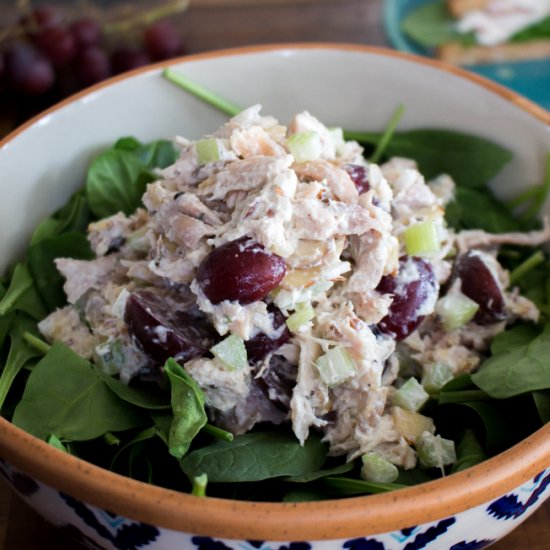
(163, 40)
(482, 286)
(41, 18)
(278, 380)
(414, 286)
(258, 347)
(241, 270)
(358, 175)
(28, 71)
(163, 332)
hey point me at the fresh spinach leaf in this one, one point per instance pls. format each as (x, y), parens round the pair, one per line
(20, 282)
(116, 182)
(508, 340)
(542, 403)
(65, 396)
(127, 143)
(517, 370)
(254, 457)
(19, 355)
(49, 282)
(313, 476)
(468, 452)
(143, 435)
(537, 31)
(145, 398)
(478, 209)
(158, 154)
(470, 160)
(54, 441)
(187, 401)
(345, 486)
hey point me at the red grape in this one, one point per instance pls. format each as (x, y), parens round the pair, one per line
(58, 44)
(86, 32)
(93, 65)
(480, 285)
(162, 40)
(410, 296)
(241, 270)
(28, 71)
(258, 347)
(163, 333)
(126, 59)
(358, 175)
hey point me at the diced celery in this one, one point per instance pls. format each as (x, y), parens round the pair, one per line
(435, 376)
(304, 312)
(422, 239)
(335, 366)
(411, 424)
(411, 395)
(434, 451)
(378, 469)
(231, 352)
(304, 146)
(199, 485)
(455, 310)
(207, 150)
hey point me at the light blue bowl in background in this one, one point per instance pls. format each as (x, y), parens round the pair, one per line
(529, 78)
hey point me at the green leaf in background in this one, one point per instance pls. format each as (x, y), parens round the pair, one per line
(128, 143)
(116, 182)
(468, 452)
(313, 476)
(345, 486)
(517, 370)
(537, 31)
(143, 435)
(49, 282)
(158, 154)
(512, 338)
(19, 355)
(65, 396)
(254, 457)
(430, 25)
(187, 401)
(20, 282)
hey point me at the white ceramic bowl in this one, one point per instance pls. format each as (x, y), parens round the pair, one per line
(343, 85)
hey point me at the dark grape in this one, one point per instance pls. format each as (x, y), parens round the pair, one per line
(258, 347)
(58, 44)
(163, 332)
(409, 296)
(2, 71)
(126, 59)
(481, 286)
(358, 175)
(241, 270)
(93, 65)
(86, 32)
(41, 18)
(162, 40)
(28, 71)
(278, 380)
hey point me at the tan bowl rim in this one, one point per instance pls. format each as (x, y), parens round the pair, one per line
(324, 520)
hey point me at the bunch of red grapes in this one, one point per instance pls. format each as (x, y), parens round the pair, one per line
(50, 57)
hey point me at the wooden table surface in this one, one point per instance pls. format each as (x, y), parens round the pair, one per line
(212, 24)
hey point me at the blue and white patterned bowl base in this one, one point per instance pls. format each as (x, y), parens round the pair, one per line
(98, 529)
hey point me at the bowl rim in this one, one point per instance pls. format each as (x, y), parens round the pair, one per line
(342, 518)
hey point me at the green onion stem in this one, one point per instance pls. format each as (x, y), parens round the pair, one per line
(218, 433)
(199, 91)
(524, 197)
(199, 485)
(36, 343)
(530, 263)
(387, 135)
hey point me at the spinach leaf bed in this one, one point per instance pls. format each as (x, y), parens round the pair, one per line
(159, 432)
